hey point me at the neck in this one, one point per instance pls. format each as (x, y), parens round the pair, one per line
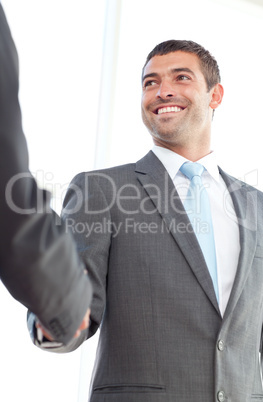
(192, 154)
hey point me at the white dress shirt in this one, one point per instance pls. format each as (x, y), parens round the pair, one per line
(225, 224)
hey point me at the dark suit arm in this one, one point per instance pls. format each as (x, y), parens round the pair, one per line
(86, 213)
(39, 264)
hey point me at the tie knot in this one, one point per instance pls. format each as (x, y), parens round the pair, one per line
(191, 169)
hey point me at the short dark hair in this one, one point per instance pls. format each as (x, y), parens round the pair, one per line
(208, 63)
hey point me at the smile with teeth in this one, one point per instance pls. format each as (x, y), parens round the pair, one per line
(169, 109)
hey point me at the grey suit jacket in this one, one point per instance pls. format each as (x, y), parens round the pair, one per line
(39, 263)
(162, 336)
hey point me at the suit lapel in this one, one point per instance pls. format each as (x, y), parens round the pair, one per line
(160, 188)
(245, 203)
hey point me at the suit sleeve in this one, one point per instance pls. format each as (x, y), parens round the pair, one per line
(39, 263)
(87, 215)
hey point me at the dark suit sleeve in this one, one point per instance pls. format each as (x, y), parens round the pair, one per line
(86, 212)
(39, 264)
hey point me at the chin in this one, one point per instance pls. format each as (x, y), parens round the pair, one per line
(169, 136)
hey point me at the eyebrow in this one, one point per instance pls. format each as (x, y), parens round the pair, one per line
(173, 71)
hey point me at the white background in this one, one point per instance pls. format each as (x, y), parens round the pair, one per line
(60, 45)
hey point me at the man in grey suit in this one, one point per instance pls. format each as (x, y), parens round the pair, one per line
(39, 264)
(167, 331)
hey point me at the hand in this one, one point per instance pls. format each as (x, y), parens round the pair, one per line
(84, 325)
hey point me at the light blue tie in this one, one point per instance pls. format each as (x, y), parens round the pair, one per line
(197, 206)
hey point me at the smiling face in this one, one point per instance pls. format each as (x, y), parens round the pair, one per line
(176, 105)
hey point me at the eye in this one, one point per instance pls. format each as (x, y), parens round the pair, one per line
(149, 83)
(183, 77)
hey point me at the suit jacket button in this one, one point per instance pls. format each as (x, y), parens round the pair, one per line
(221, 396)
(220, 345)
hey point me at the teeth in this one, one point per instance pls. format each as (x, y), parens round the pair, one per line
(169, 109)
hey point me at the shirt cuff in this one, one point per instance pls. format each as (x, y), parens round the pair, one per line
(44, 343)
(37, 335)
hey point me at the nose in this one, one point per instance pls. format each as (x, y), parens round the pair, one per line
(166, 90)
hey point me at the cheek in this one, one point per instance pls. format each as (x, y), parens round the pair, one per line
(188, 93)
(147, 100)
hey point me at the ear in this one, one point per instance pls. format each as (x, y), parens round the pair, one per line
(217, 94)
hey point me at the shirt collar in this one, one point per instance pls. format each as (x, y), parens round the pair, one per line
(210, 163)
(172, 161)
